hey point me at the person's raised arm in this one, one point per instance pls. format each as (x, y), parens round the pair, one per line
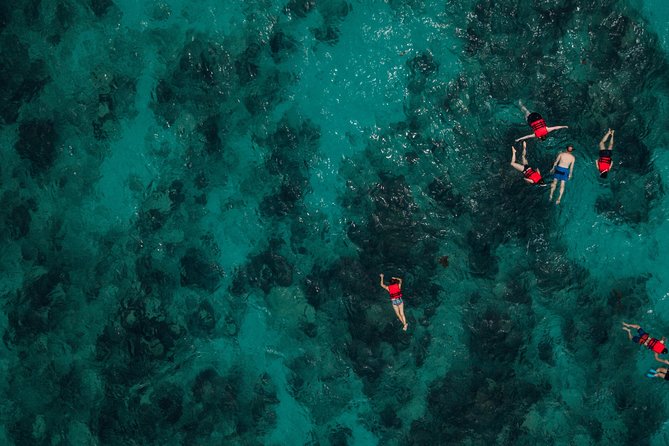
(526, 137)
(613, 132)
(384, 286)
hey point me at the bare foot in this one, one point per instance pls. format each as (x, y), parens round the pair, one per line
(405, 327)
(557, 201)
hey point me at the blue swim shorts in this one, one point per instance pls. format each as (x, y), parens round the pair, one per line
(561, 174)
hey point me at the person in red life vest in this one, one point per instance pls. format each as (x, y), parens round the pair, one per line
(538, 125)
(562, 170)
(532, 176)
(395, 290)
(643, 338)
(604, 162)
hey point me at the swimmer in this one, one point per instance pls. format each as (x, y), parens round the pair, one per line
(562, 170)
(659, 373)
(536, 121)
(395, 290)
(604, 162)
(642, 338)
(532, 176)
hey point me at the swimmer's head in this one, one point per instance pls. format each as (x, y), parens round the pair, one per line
(394, 281)
(543, 138)
(604, 174)
(570, 148)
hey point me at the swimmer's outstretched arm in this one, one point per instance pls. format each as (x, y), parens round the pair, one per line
(557, 127)
(664, 361)
(557, 160)
(384, 286)
(571, 169)
(611, 140)
(526, 137)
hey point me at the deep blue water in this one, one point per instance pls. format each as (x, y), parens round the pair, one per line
(198, 198)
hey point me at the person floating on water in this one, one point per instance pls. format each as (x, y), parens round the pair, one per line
(562, 170)
(643, 338)
(395, 290)
(536, 121)
(532, 176)
(659, 373)
(604, 162)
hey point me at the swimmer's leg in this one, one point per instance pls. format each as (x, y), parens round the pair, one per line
(403, 318)
(523, 108)
(514, 164)
(561, 192)
(525, 153)
(553, 184)
(397, 312)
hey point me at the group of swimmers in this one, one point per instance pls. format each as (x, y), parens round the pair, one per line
(563, 167)
(658, 346)
(562, 170)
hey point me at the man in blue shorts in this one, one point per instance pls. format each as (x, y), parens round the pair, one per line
(562, 170)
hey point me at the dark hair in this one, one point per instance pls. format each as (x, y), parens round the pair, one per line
(443, 261)
(569, 145)
(664, 352)
(543, 138)
(394, 281)
(604, 174)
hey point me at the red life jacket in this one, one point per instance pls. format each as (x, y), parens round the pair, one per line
(539, 127)
(656, 345)
(394, 290)
(604, 163)
(532, 174)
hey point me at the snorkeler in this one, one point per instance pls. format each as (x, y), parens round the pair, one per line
(395, 290)
(536, 121)
(562, 170)
(642, 338)
(604, 162)
(532, 176)
(659, 373)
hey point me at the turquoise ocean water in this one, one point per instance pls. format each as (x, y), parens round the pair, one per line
(198, 198)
